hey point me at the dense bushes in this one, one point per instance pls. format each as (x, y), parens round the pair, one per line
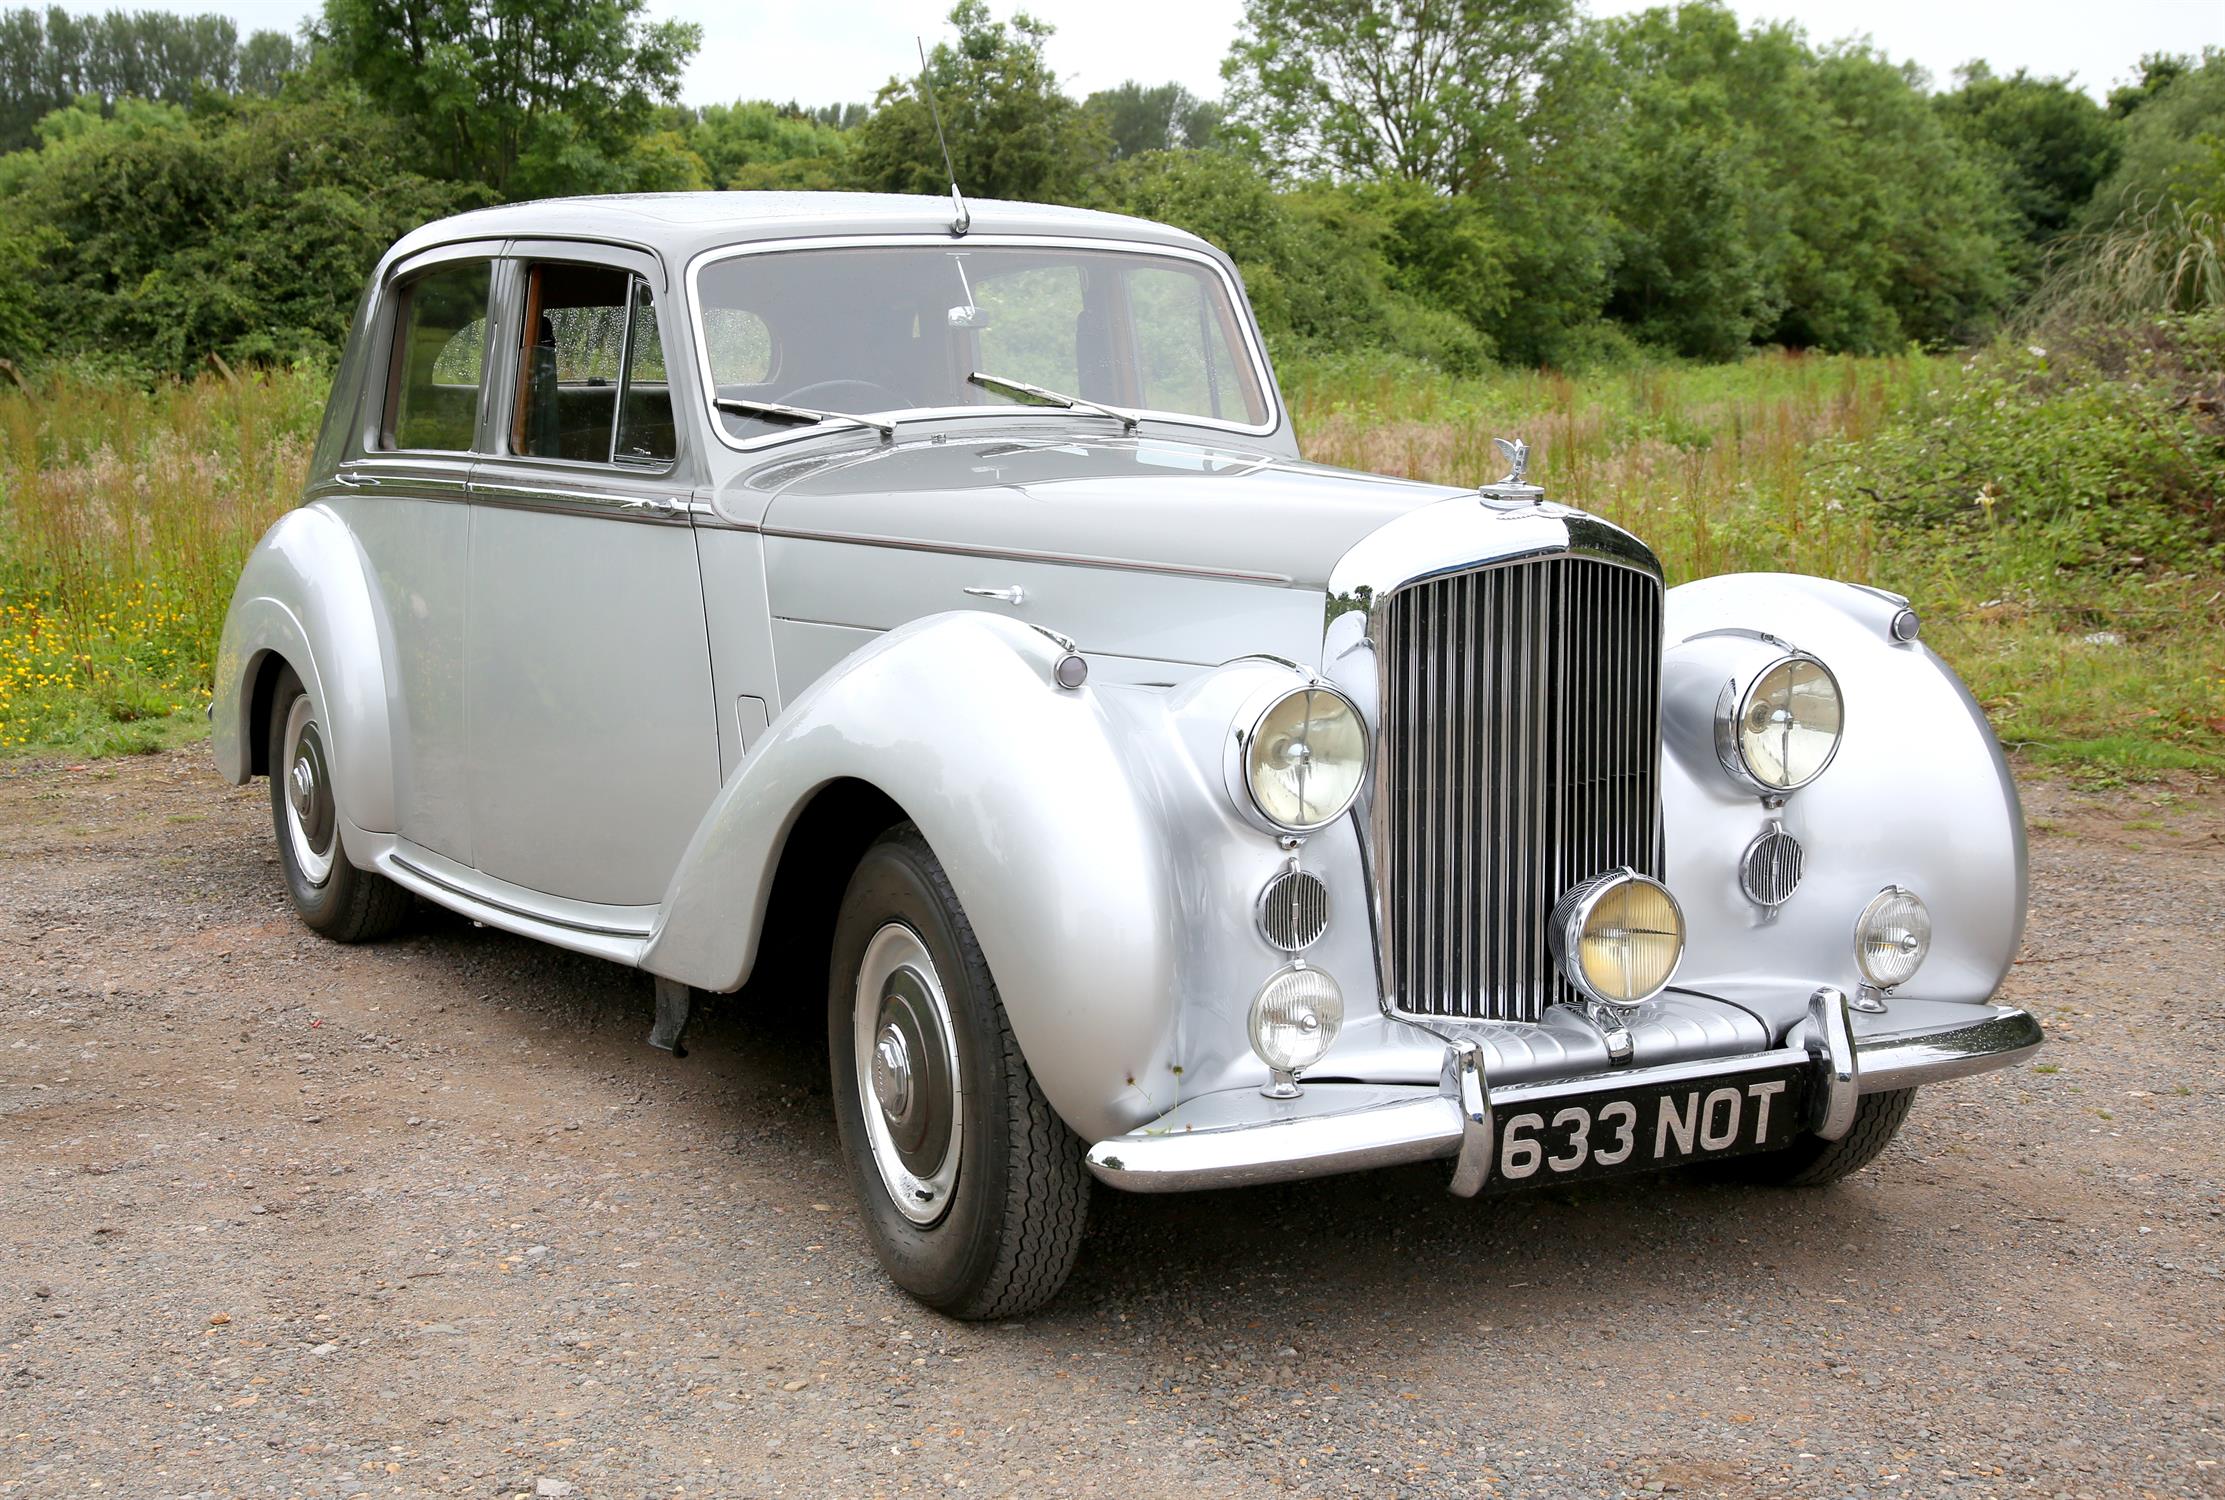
(161, 238)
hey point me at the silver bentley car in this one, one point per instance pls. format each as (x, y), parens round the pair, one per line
(928, 615)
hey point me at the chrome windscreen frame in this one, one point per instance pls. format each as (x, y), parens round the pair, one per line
(1254, 350)
(1436, 542)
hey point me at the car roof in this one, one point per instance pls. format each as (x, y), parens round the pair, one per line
(681, 225)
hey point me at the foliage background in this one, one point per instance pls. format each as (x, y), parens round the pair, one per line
(1773, 304)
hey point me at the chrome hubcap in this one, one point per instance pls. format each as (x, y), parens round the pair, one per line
(892, 1074)
(909, 1087)
(311, 823)
(301, 787)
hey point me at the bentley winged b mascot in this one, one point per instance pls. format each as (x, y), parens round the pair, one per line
(934, 612)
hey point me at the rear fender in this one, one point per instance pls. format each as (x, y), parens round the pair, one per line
(305, 596)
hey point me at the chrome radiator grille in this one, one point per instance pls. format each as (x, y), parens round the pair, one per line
(1518, 753)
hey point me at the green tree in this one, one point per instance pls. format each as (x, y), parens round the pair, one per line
(1437, 91)
(245, 231)
(1334, 269)
(758, 144)
(2173, 143)
(1167, 117)
(1701, 201)
(267, 59)
(529, 97)
(2050, 143)
(48, 61)
(1013, 132)
(2158, 70)
(1903, 233)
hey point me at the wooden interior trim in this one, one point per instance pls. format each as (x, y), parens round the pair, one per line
(528, 332)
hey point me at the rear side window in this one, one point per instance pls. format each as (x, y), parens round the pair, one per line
(591, 377)
(440, 350)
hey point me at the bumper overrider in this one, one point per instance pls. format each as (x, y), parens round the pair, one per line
(1819, 1073)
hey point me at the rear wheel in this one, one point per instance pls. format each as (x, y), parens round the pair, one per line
(973, 1191)
(1813, 1161)
(332, 896)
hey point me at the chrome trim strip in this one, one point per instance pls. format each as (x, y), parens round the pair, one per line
(655, 510)
(403, 481)
(1247, 323)
(1419, 1123)
(1015, 554)
(543, 918)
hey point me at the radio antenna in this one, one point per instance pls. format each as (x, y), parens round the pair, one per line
(961, 217)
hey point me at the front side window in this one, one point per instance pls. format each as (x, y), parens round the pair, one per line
(439, 359)
(882, 330)
(591, 381)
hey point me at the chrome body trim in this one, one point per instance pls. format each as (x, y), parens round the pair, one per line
(400, 865)
(1022, 554)
(1234, 1139)
(653, 509)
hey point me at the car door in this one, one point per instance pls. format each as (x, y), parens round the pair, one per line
(402, 489)
(594, 746)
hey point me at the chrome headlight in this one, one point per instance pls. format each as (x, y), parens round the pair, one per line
(1892, 937)
(1304, 758)
(1782, 733)
(1618, 937)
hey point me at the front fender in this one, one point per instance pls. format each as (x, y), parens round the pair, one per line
(1045, 810)
(1919, 795)
(305, 595)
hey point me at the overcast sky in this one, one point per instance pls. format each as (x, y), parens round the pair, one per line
(844, 50)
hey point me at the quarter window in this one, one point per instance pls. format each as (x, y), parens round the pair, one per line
(439, 360)
(591, 377)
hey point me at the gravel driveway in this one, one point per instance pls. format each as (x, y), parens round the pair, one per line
(426, 1217)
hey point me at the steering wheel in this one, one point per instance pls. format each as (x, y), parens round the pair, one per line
(868, 396)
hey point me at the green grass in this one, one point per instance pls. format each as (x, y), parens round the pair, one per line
(124, 516)
(2056, 517)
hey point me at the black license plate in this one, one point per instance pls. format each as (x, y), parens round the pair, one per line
(1608, 1132)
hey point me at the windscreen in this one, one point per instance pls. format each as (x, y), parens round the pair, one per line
(890, 329)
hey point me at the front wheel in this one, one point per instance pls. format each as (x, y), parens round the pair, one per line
(973, 1191)
(1813, 1161)
(332, 896)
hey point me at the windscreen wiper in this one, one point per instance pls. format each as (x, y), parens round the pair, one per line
(1035, 395)
(774, 411)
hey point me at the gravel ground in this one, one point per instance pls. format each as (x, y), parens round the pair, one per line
(283, 1218)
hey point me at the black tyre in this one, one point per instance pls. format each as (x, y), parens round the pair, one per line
(974, 1193)
(333, 897)
(1813, 1161)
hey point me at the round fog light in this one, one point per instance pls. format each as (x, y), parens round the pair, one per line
(1295, 1017)
(1618, 937)
(1892, 937)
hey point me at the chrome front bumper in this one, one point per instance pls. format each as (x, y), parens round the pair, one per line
(1236, 1138)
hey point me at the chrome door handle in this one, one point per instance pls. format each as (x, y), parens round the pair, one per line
(1014, 595)
(651, 506)
(356, 481)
